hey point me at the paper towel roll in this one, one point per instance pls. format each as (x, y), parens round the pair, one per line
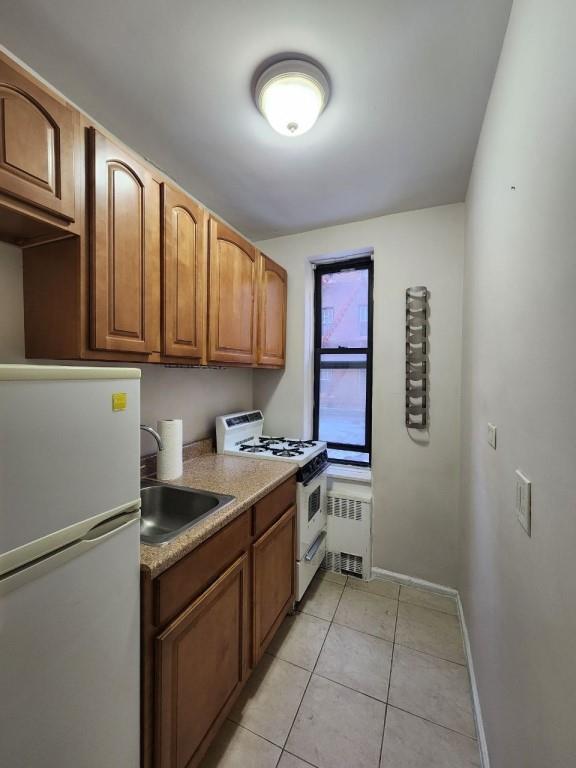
(170, 457)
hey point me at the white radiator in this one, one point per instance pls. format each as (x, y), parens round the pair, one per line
(349, 540)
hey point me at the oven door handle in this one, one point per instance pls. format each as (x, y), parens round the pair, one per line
(315, 546)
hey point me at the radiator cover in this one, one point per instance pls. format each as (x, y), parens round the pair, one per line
(349, 540)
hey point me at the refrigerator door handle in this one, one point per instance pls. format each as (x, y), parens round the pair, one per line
(109, 527)
(48, 545)
(95, 536)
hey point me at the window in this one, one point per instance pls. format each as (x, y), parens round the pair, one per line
(343, 359)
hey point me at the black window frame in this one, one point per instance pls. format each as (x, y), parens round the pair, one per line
(348, 265)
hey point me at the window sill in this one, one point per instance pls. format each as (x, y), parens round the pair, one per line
(349, 472)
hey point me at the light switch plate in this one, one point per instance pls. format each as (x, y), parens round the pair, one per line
(492, 435)
(523, 501)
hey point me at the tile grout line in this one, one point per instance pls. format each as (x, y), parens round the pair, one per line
(389, 681)
(432, 655)
(298, 758)
(259, 735)
(428, 608)
(349, 688)
(432, 722)
(314, 667)
(361, 632)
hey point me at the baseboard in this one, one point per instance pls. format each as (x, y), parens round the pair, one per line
(482, 743)
(412, 581)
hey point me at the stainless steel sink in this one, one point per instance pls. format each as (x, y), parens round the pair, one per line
(168, 510)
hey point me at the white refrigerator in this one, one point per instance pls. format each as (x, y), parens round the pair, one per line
(69, 567)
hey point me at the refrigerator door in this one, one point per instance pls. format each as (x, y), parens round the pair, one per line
(69, 655)
(69, 454)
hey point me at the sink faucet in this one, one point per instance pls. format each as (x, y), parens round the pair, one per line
(154, 434)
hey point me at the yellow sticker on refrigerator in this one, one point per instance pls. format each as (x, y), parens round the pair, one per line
(119, 401)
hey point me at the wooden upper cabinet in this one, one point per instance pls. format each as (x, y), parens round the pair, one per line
(232, 299)
(272, 300)
(36, 145)
(124, 250)
(184, 265)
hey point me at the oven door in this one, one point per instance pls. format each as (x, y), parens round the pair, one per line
(312, 512)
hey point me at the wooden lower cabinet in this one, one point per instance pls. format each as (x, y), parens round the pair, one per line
(206, 622)
(202, 663)
(273, 579)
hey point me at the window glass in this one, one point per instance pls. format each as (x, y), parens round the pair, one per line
(348, 457)
(343, 407)
(344, 295)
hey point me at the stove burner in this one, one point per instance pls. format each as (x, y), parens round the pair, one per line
(286, 452)
(254, 448)
(270, 440)
(301, 443)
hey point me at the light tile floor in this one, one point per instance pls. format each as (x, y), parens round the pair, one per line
(369, 675)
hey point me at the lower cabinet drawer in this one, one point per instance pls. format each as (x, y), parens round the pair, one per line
(269, 509)
(202, 660)
(181, 583)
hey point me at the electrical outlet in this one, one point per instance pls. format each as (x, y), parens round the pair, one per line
(492, 435)
(523, 501)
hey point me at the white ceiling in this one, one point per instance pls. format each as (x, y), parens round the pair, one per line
(172, 78)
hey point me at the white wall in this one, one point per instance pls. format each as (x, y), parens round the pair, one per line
(415, 485)
(195, 395)
(520, 373)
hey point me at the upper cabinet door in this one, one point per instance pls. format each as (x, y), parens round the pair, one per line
(232, 297)
(273, 296)
(125, 251)
(185, 258)
(36, 145)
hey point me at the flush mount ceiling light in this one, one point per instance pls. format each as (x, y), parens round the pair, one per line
(291, 95)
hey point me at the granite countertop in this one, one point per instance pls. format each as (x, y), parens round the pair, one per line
(246, 479)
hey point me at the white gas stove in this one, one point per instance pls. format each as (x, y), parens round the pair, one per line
(241, 434)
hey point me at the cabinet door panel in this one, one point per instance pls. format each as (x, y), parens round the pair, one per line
(273, 294)
(202, 663)
(184, 272)
(125, 248)
(232, 297)
(36, 145)
(273, 579)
